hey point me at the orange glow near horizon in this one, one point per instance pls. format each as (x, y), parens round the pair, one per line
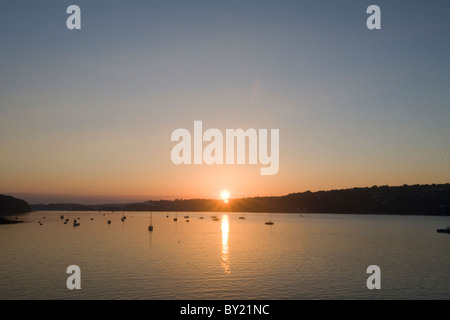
(107, 181)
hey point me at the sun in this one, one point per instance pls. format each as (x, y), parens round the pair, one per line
(225, 196)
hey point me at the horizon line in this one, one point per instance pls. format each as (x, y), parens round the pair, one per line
(173, 198)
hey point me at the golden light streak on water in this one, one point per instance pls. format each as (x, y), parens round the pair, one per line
(225, 244)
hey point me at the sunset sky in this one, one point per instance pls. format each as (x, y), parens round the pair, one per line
(87, 115)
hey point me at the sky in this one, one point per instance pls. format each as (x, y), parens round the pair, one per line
(87, 115)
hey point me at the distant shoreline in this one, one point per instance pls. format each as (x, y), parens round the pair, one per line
(431, 200)
(256, 212)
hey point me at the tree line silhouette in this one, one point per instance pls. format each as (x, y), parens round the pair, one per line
(412, 200)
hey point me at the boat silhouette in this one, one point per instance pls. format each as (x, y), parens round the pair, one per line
(446, 230)
(150, 227)
(269, 222)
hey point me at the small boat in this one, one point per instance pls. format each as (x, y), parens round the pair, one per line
(269, 223)
(186, 217)
(65, 222)
(62, 217)
(109, 221)
(76, 224)
(187, 220)
(175, 219)
(446, 230)
(213, 217)
(92, 219)
(123, 219)
(200, 217)
(242, 217)
(216, 219)
(150, 227)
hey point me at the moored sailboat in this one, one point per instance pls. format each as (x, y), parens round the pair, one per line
(150, 227)
(269, 222)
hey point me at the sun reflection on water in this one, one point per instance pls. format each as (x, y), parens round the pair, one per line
(225, 244)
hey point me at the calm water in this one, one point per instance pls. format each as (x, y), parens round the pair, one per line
(316, 256)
